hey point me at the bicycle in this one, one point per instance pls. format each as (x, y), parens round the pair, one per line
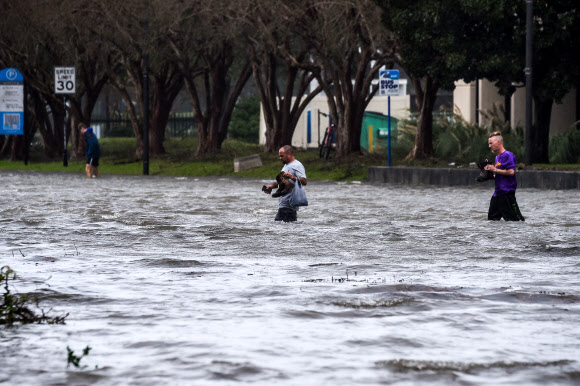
(326, 144)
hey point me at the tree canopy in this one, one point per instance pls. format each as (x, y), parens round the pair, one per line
(443, 41)
(212, 49)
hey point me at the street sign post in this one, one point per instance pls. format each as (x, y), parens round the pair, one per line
(64, 80)
(389, 82)
(64, 83)
(389, 85)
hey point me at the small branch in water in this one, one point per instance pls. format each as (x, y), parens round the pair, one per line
(74, 359)
(14, 308)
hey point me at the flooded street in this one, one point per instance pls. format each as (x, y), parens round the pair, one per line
(189, 281)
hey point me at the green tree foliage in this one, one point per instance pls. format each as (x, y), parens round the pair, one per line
(556, 64)
(442, 41)
(245, 123)
(348, 49)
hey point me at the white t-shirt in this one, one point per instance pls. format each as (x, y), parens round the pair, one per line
(296, 169)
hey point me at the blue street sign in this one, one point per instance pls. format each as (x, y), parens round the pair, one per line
(11, 102)
(389, 82)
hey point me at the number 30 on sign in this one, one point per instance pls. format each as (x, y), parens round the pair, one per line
(64, 80)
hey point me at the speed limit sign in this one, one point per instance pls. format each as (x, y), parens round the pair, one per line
(64, 80)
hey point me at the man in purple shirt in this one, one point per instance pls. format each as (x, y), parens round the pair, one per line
(503, 202)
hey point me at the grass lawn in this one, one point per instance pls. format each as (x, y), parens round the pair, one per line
(118, 157)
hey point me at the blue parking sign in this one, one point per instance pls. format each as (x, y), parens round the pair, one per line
(11, 102)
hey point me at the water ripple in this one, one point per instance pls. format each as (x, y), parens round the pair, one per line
(183, 281)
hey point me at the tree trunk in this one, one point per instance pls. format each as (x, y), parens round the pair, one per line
(165, 90)
(281, 113)
(349, 97)
(158, 122)
(18, 148)
(216, 84)
(220, 102)
(541, 130)
(51, 129)
(6, 145)
(136, 123)
(425, 97)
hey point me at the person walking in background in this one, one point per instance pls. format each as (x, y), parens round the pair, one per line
(92, 149)
(503, 202)
(293, 169)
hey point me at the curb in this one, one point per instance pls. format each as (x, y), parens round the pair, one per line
(538, 179)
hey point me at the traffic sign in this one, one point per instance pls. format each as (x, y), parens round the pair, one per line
(389, 82)
(11, 102)
(64, 80)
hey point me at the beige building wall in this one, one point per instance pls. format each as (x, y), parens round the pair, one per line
(464, 99)
(518, 108)
(563, 115)
(488, 96)
(400, 107)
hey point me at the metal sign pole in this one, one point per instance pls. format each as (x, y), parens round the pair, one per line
(528, 73)
(146, 117)
(389, 85)
(389, 127)
(24, 126)
(64, 83)
(64, 151)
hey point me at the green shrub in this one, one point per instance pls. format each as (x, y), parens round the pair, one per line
(245, 123)
(458, 140)
(455, 139)
(406, 129)
(565, 147)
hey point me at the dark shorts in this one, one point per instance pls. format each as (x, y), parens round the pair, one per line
(505, 207)
(93, 161)
(286, 215)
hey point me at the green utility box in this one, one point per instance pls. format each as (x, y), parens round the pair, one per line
(374, 135)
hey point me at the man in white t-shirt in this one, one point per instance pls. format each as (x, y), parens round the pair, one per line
(292, 169)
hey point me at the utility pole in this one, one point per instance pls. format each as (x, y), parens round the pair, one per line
(528, 73)
(146, 98)
(146, 117)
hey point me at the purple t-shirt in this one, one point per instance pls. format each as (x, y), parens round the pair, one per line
(505, 184)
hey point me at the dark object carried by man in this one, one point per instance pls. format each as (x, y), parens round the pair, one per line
(485, 175)
(266, 189)
(284, 185)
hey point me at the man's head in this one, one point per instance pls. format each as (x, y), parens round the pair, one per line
(83, 127)
(286, 154)
(496, 142)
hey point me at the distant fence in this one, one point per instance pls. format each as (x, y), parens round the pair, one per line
(177, 126)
